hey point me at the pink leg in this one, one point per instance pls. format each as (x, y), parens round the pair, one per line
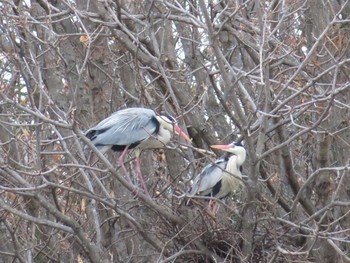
(212, 210)
(214, 206)
(121, 157)
(138, 171)
(139, 174)
(121, 163)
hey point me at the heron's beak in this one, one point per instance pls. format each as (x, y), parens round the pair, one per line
(181, 133)
(222, 147)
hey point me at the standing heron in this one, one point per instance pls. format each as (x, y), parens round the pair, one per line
(223, 177)
(134, 128)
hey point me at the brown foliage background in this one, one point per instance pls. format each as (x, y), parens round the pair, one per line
(273, 74)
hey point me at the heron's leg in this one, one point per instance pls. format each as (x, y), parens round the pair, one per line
(121, 157)
(121, 163)
(139, 174)
(211, 210)
(213, 206)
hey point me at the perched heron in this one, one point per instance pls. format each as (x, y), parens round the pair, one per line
(137, 128)
(223, 177)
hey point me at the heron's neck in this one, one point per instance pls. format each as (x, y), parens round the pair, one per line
(240, 154)
(164, 135)
(233, 165)
(156, 140)
(240, 160)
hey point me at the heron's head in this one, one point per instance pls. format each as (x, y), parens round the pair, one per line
(234, 148)
(169, 123)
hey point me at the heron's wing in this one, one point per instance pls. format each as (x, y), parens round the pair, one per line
(210, 175)
(124, 127)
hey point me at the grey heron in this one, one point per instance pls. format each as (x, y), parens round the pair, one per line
(134, 128)
(223, 177)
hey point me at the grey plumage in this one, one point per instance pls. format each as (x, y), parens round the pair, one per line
(133, 127)
(222, 177)
(138, 128)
